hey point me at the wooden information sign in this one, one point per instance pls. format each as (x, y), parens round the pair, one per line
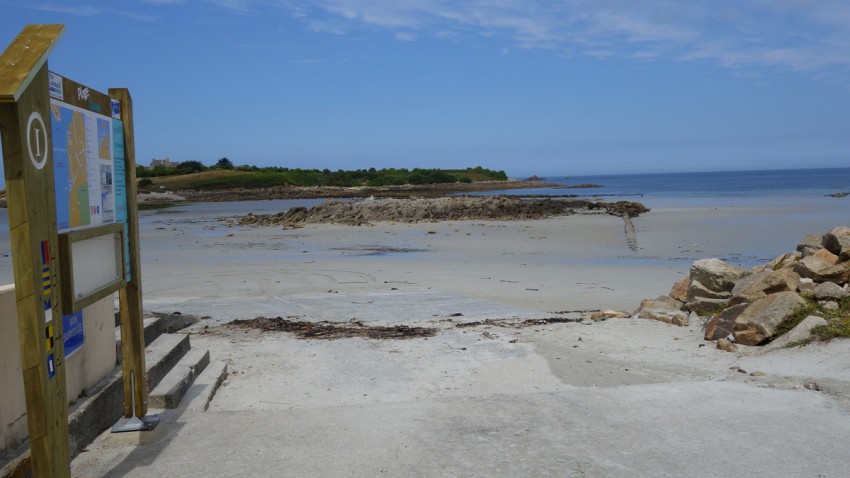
(28, 167)
(45, 199)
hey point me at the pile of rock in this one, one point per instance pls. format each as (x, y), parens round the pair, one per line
(411, 210)
(746, 306)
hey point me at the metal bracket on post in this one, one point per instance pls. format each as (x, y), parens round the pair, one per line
(134, 423)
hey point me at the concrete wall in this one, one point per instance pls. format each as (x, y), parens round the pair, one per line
(92, 362)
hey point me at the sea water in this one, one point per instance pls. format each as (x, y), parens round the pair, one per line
(720, 184)
(764, 212)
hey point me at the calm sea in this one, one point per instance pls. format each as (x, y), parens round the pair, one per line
(728, 184)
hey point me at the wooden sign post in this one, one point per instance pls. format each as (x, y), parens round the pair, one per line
(130, 296)
(28, 167)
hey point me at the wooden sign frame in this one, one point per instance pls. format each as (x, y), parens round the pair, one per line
(71, 300)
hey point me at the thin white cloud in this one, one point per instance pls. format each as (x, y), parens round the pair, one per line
(79, 11)
(89, 11)
(240, 6)
(803, 35)
(404, 36)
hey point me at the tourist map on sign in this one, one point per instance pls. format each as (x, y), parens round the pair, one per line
(83, 167)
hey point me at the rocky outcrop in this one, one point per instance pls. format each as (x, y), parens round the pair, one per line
(839, 274)
(722, 324)
(608, 314)
(696, 290)
(758, 322)
(754, 287)
(810, 244)
(680, 289)
(664, 309)
(837, 241)
(710, 285)
(704, 306)
(816, 263)
(829, 291)
(716, 275)
(748, 307)
(803, 331)
(411, 210)
(784, 261)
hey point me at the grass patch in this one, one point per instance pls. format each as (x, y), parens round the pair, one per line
(837, 321)
(151, 206)
(251, 178)
(810, 307)
(838, 325)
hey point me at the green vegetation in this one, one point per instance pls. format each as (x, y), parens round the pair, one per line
(224, 163)
(838, 321)
(224, 175)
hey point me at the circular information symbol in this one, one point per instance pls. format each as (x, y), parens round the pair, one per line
(37, 140)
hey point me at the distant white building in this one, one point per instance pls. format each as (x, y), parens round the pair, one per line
(165, 163)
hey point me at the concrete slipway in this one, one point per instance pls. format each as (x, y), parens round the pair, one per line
(620, 398)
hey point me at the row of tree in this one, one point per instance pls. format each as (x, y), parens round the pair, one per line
(326, 177)
(186, 167)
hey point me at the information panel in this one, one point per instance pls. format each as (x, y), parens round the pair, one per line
(88, 157)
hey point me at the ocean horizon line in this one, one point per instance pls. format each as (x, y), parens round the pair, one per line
(686, 173)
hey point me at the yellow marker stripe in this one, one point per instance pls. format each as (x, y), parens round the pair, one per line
(49, 331)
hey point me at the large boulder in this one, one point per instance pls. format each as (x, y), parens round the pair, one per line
(705, 307)
(757, 286)
(680, 289)
(814, 264)
(830, 291)
(696, 290)
(608, 314)
(757, 323)
(784, 261)
(839, 274)
(716, 275)
(802, 331)
(810, 244)
(665, 309)
(722, 324)
(837, 241)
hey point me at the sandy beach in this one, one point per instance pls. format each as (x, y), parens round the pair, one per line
(623, 397)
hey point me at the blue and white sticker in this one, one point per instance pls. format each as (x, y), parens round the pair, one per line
(116, 109)
(55, 86)
(51, 366)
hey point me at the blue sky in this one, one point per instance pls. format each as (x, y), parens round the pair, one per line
(532, 87)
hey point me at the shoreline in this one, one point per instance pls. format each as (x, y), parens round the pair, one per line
(633, 384)
(338, 192)
(503, 368)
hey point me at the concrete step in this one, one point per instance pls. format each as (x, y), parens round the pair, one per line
(163, 354)
(104, 405)
(155, 325)
(173, 386)
(201, 393)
